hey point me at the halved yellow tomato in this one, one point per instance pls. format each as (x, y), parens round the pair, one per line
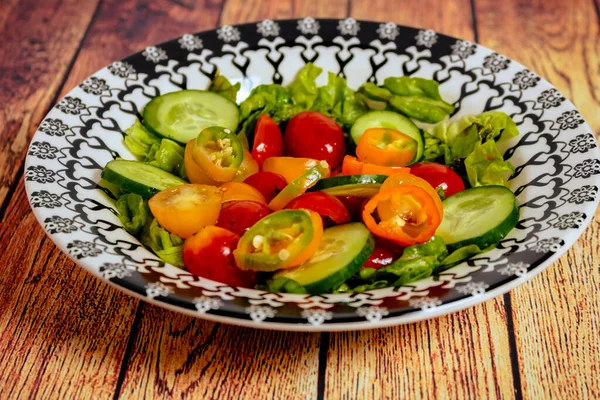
(185, 209)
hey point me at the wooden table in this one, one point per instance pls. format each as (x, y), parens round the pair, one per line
(64, 334)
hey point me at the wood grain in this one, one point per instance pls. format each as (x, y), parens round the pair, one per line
(239, 11)
(463, 355)
(449, 17)
(39, 40)
(181, 357)
(63, 333)
(556, 315)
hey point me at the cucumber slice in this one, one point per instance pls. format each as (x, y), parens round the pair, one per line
(481, 216)
(343, 250)
(391, 120)
(351, 185)
(182, 115)
(137, 177)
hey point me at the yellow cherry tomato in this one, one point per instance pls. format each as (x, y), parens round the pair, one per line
(185, 209)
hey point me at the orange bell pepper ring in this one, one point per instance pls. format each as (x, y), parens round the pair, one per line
(404, 214)
(410, 179)
(353, 166)
(386, 147)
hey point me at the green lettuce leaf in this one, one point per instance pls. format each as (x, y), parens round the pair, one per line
(162, 242)
(304, 89)
(459, 255)
(337, 100)
(282, 285)
(133, 212)
(139, 140)
(222, 86)
(263, 96)
(168, 156)
(416, 98)
(417, 262)
(486, 166)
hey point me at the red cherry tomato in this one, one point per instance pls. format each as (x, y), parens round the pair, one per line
(384, 253)
(354, 206)
(328, 207)
(311, 134)
(268, 183)
(267, 140)
(239, 216)
(438, 175)
(209, 254)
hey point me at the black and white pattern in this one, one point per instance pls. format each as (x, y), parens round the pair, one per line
(556, 157)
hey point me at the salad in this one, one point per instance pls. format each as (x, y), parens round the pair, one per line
(308, 189)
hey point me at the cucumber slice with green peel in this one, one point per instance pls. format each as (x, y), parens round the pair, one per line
(182, 115)
(137, 177)
(391, 120)
(351, 185)
(482, 216)
(343, 250)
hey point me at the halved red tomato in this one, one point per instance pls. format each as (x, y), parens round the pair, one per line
(209, 254)
(268, 141)
(328, 207)
(239, 216)
(268, 183)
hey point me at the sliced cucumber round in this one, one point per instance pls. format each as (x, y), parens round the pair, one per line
(391, 120)
(481, 216)
(137, 177)
(182, 115)
(343, 250)
(351, 185)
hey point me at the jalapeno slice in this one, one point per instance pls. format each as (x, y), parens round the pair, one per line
(283, 239)
(219, 152)
(300, 185)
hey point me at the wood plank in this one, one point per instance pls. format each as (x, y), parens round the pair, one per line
(556, 315)
(239, 11)
(177, 356)
(558, 40)
(463, 355)
(449, 17)
(39, 39)
(63, 333)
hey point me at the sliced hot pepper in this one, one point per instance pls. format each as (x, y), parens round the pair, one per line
(386, 147)
(410, 179)
(194, 173)
(283, 239)
(238, 191)
(353, 166)
(300, 185)
(219, 152)
(404, 214)
(289, 167)
(248, 167)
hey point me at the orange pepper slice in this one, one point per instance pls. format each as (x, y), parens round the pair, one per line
(404, 214)
(410, 179)
(386, 147)
(353, 166)
(185, 209)
(238, 191)
(193, 171)
(219, 152)
(289, 167)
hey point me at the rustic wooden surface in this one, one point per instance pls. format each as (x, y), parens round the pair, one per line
(63, 334)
